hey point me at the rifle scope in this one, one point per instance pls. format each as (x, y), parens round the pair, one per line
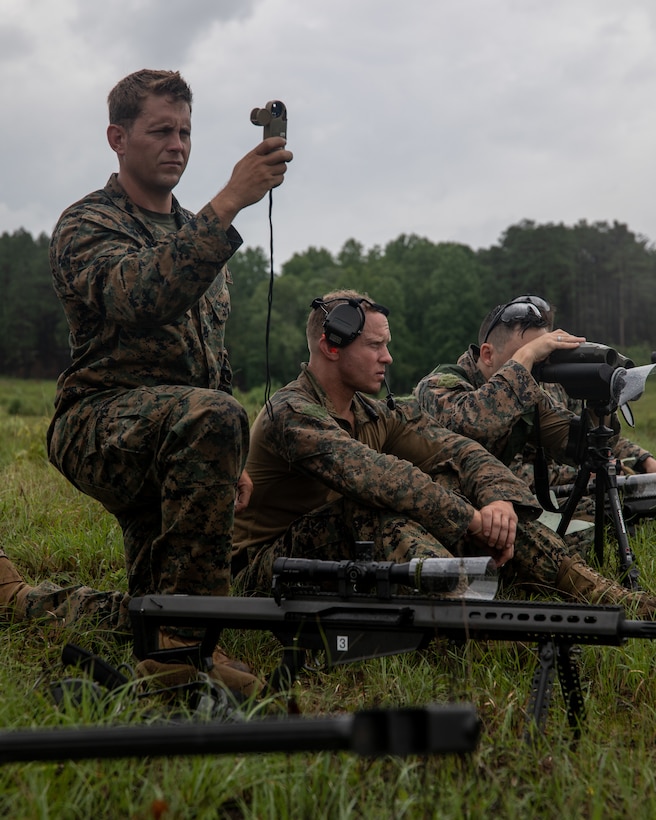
(427, 575)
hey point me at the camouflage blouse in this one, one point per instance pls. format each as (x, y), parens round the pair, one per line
(144, 304)
(499, 413)
(302, 455)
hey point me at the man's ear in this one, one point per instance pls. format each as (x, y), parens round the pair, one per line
(485, 355)
(116, 137)
(329, 351)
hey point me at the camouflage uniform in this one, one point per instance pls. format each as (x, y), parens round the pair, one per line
(500, 414)
(144, 421)
(397, 479)
(66, 604)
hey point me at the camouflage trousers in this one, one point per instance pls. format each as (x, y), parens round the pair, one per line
(48, 601)
(332, 533)
(108, 610)
(165, 462)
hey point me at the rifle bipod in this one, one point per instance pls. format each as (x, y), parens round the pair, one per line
(552, 656)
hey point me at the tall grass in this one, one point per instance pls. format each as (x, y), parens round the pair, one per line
(53, 532)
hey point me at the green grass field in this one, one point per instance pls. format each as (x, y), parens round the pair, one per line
(53, 532)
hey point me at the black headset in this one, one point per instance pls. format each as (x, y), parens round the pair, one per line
(344, 323)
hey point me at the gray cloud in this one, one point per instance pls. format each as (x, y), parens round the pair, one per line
(452, 120)
(151, 31)
(15, 44)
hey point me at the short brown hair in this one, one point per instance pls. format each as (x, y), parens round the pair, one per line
(126, 99)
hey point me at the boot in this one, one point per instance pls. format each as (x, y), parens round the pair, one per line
(579, 582)
(61, 605)
(13, 590)
(233, 674)
(167, 674)
(178, 684)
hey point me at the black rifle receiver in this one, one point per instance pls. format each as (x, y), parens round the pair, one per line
(362, 628)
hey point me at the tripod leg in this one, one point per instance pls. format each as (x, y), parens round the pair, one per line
(567, 510)
(599, 515)
(629, 570)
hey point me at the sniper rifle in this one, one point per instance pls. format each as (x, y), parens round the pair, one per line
(363, 617)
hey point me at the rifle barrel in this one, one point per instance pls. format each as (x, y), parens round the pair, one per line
(433, 729)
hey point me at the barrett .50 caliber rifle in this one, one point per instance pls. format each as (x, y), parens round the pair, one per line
(362, 617)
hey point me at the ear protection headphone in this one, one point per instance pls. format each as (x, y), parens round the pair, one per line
(344, 323)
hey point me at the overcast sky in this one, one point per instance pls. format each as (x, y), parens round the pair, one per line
(450, 119)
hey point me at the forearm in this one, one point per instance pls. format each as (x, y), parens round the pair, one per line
(624, 448)
(485, 480)
(456, 461)
(353, 469)
(487, 413)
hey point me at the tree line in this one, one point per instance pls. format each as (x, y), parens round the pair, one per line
(600, 277)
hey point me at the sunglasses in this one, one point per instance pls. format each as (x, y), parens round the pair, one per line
(538, 301)
(519, 313)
